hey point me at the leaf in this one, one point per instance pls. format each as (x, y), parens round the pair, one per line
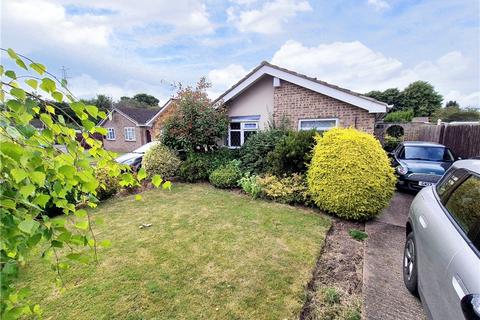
(48, 85)
(18, 93)
(92, 110)
(156, 180)
(141, 174)
(28, 226)
(18, 174)
(7, 203)
(81, 213)
(138, 197)
(42, 200)
(33, 240)
(46, 119)
(38, 177)
(21, 64)
(88, 125)
(12, 53)
(82, 225)
(50, 109)
(38, 67)
(27, 190)
(56, 244)
(11, 74)
(58, 96)
(32, 83)
(12, 150)
(67, 170)
(167, 185)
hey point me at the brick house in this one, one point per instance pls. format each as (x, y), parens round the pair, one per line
(128, 128)
(269, 93)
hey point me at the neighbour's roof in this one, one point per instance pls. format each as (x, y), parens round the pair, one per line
(37, 123)
(139, 115)
(354, 98)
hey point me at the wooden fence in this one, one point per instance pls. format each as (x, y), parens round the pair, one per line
(462, 139)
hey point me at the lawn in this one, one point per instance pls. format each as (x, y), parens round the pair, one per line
(209, 254)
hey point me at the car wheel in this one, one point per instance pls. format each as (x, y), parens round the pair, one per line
(410, 274)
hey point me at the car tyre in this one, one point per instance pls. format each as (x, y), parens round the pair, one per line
(410, 274)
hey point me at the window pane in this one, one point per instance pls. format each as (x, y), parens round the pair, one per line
(235, 125)
(235, 138)
(317, 124)
(248, 134)
(427, 153)
(464, 205)
(251, 125)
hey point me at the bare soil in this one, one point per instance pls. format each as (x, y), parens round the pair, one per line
(335, 290)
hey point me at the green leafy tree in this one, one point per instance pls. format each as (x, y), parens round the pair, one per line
(34, 173)
(196, 125)
(392, 96)
(101, 101)
(421, 97)
(451, 103)
(147, 99)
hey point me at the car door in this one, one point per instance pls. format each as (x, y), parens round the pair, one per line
(435, 247)
(463, 208)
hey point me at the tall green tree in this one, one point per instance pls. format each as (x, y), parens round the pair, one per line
(101, 101)
(35, 174)
(392, 96)
(147, 99)
(421, 97)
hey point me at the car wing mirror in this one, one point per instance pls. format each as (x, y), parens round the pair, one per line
(471, 306)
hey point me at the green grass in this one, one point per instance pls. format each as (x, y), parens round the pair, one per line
(209, 254)
(357, 234)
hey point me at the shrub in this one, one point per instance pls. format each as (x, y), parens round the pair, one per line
(357, 234)
(292, 153)
(288, 189)
(160, 160)
(350, 174)
(226, 176)
(199, 166)
(108, 185)
(254, 152)
(399, 116)
(250, 185)
(390, 142)
(195, 125)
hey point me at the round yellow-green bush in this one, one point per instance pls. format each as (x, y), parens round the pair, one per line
(160, 160)
(350, 174)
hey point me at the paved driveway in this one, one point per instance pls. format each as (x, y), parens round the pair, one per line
(385, 296)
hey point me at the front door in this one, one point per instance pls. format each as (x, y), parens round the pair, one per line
(149, 136)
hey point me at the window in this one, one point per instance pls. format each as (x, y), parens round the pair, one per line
(427, 153)
(129, 133)
(111, 134)
(239, 132)
(464, 206)
(317, 124)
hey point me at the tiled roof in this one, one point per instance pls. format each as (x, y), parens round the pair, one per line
(140, 115)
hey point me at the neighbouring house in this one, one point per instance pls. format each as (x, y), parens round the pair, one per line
(128, 128)
(270, 93)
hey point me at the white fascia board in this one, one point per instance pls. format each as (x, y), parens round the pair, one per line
(370, 106)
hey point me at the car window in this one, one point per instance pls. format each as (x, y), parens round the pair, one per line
(464, 206)
(448, 181)
(427, 153)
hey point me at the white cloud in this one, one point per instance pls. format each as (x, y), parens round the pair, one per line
(85, 86)
(28, 24)
(269, 18)
(222, 79)
(355, 66)
(379, 4)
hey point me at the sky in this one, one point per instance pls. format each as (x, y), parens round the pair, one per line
(120, 48)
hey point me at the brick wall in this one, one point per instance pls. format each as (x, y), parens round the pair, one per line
(160, 120)
(118, 122)
(294, 103)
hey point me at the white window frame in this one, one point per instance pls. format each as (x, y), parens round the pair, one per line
(318, 129)
(242, 131)
(126, 131)
(111, 135)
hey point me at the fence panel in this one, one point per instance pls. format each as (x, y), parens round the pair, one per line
(464, 140)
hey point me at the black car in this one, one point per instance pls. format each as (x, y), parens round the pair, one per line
(419, 164)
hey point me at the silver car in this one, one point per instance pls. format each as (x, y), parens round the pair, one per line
(442, 249)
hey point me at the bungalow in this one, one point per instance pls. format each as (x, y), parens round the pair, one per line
(128, 128)
(271, 93)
